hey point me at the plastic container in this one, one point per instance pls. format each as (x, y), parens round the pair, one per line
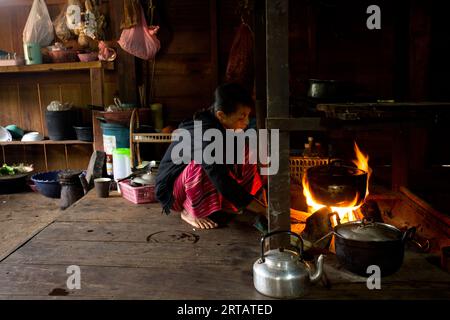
(137, 195)
(13, 184)
(47, 184)
(114, 136)
(119, 132)
(60, 125)
(121, 163)
(299, 164)
(16, 132)
(63, 56)
(87, 57)
(84, 133)
(157, 115)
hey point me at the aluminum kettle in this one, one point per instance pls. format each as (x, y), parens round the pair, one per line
(282, 273)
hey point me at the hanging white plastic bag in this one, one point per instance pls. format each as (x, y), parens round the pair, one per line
(39, 27)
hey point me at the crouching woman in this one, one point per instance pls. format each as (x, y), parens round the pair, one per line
(197, 190)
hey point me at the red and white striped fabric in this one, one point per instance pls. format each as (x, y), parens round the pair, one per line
(194, 192)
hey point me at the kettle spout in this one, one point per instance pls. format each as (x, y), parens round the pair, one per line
(319, 270)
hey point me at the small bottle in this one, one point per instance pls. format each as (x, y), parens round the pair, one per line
(309, 148)
(318, 150)
(109, 165)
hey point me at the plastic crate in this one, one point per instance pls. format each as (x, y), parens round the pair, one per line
(137, 195)
(298, 166)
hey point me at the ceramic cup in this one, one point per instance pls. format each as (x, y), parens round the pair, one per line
(102, 186)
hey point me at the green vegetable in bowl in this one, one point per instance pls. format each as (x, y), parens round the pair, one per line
(6, 170)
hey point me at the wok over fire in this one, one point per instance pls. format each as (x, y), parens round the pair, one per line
(346, 210)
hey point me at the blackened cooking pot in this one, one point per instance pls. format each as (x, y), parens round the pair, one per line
(337, 183)
(360, 244)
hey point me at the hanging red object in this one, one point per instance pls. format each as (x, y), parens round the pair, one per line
(240, 66)
(140, 40)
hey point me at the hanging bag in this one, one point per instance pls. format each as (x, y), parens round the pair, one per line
(38, 28)
(140, 40)
(240, 61)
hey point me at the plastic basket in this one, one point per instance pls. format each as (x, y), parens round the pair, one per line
(299, 165)
(137, 195)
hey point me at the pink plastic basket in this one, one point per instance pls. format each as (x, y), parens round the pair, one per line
(137, 195)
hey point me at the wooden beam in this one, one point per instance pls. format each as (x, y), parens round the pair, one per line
(277, 38)
(97, 78)
(401, 49)
(419, 48)
(296, 124)
(260, 63)
(312, 38)
(214, 44)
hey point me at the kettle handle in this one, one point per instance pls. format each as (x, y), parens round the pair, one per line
(270, 234)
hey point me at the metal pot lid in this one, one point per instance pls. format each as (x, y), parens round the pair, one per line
(282, 259)
(145, 179)
(368, 231)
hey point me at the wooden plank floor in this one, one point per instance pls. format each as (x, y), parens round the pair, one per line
(128, 251)
(133, 252)
(22, 215)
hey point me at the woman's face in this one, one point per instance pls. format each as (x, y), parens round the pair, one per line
(235, 120)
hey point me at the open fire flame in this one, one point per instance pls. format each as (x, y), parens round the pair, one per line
(346, 211)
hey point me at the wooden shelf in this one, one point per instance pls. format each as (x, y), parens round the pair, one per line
(62, 142)
(50, 67)
(12, 3)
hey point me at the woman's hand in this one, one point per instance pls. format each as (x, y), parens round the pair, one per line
(257, 207)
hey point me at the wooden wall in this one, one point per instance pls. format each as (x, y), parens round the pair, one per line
(185, 68)
(330, 40)
(196, 36)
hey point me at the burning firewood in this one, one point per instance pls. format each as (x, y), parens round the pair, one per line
(370, 210)
(317, 226)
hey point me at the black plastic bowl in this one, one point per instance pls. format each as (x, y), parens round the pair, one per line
(47, 184)
(13, 184)
(84, 133)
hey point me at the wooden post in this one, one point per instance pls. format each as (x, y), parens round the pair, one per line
(260, 63)
(97, 131)
(312, 42)
(97, 79)
(401, 49)
(45, 157)
(277, 36)
(214, 45)
(419, 48)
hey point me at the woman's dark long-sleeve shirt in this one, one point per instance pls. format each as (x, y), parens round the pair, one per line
(218, 173)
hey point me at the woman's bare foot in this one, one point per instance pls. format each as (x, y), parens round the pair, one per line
(200, 223)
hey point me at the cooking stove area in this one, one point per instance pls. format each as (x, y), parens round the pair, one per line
(340, 212)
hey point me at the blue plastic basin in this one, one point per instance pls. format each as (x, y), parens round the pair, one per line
(47, 184)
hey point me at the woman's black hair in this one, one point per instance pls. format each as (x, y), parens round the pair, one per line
(228, 96)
